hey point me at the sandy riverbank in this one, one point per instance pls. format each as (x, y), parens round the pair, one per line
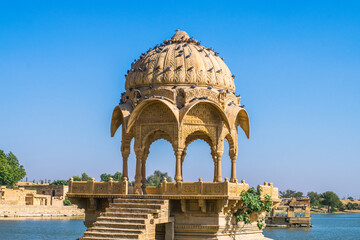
(14, 211)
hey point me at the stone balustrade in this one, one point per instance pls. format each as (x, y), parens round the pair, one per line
(200, 188)
(225, 188)
(92, 187)
(269, 189)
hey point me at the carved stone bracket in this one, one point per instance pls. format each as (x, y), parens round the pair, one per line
(202, 205)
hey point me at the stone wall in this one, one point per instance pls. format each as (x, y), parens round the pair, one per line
(46, 189)
(39, 211)
(21, 196)
(14, 196)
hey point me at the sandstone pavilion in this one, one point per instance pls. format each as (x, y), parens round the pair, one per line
(179, 91)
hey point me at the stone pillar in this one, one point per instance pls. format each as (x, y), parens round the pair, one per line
(233, 168)
(307, 211)
(182, 160)
(143, 174)
(143, 169)
(215, 166)
(290, 212)
(138, 177)
(70, 186)
(125, 154)
(218, 167)
(169, 231)
(178, 171)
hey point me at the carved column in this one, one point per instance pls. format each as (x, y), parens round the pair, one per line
(178, 171)
(218, 166)
(143, 169)
(138, 177)
(233, 157)
(125, 154)
(215, 166)
(182, 160)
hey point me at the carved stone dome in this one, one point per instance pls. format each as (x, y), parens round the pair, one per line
(180, 61)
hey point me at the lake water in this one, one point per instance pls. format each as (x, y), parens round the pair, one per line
(329, 227)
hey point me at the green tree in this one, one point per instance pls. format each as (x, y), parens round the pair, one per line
(116, 177)
(291, 194)
(157, 178)
(10, 169)
(60, 182)
(85, 177)
(352, 206)
(331, 200)
(105, 177)
(77, 178)
(315, 198)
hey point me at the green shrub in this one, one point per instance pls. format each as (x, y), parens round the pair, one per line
(252, 203)
(67, 202)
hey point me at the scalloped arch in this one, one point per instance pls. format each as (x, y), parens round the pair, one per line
(187, 108)
(139, 108)
(120, 115)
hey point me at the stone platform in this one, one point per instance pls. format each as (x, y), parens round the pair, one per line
(182, 210)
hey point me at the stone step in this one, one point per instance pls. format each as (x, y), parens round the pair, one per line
(127, 218)
(129, 226)
(107, 229)
(136, 205)
(126, 215)
(132, 210)
(121, 220)
(136, 200)
(104, 238)
(112, 235)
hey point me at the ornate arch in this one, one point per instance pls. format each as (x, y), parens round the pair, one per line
(144, 104)
(199, 135)
(232, 143)
(184, 111)
(238, 116)
(121, 114)
(155, 135)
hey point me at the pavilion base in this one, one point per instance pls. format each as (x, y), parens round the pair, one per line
(195, 217)
(179, 211)
(210, 219)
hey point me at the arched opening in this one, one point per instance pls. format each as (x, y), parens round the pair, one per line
(226, 161)
(161, 157)
(165, 155)
(198, 160)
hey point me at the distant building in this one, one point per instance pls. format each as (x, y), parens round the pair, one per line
(27, 193)
(21, 196)
(58, 191)
(292, 212)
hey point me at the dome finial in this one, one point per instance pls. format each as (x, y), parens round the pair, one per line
(180, 36)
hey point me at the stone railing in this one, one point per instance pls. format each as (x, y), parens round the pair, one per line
(92, 187)
(269, 189)
(225, 188)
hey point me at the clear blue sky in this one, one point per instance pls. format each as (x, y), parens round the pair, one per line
(297, 67)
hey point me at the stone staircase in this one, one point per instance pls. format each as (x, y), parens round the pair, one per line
(129, 218)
